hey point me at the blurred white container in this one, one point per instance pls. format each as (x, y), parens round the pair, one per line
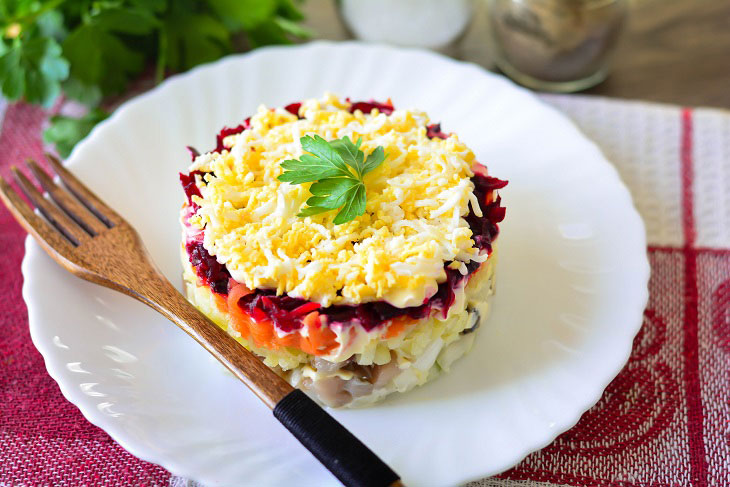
(417, 23)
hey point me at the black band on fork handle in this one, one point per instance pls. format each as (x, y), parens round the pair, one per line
(353, 463)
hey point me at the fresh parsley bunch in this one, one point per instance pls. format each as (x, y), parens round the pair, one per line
(89, 49)
(337, 169)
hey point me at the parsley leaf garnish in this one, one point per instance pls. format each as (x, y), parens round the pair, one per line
(336, 169)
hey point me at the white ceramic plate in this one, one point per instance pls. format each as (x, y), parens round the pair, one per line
(572, 280)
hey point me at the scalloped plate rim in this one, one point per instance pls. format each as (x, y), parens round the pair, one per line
(77, 398)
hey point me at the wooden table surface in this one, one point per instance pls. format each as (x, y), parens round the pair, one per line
(674, 51)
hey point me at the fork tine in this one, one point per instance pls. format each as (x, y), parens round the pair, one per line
(78, 212)
(53, 242)
(84, 194)
(74, 233)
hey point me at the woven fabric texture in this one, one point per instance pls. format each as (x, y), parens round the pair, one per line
(664, 421)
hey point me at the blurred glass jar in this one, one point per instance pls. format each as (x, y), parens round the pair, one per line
(556, 45)
(432, 24)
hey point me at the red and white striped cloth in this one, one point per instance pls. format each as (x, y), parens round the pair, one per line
(664, 421)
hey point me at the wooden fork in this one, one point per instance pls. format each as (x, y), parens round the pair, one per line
(92, 241)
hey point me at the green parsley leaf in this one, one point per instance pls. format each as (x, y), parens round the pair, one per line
(272, 31)
(322, 150)
(50, 24)
(33, 69)
(65, 132)
(246, 13)
(135, 21)
(291, 27)
(375, 159)
(99, 57)
(11, 74)
(192, 38)
(329, 166)
(324, 162)
(288, 10)
(333, 193)
(353, 207)
(350, 153)
(89, 95)
(281, 28)
(93, 48)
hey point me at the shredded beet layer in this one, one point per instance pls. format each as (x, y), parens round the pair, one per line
(293, 108)
(434, 130)
(367, 106)
(191, 189)
(208, 269)
(484, 229)
(226, 131)
(287, 313)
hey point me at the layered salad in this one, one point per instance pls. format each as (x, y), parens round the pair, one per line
(349, 244)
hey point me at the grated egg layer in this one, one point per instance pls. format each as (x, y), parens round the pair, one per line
(413, 224)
